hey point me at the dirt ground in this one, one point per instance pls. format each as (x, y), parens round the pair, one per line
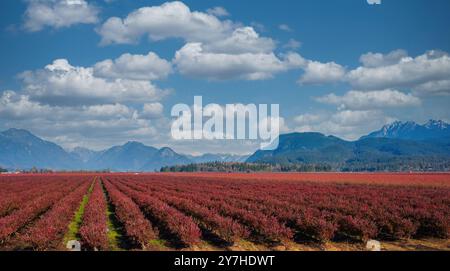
(402, 245)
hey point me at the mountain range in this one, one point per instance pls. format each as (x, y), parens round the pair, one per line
(400, 145)
(433, 129)
(20, 149)
(394, 145)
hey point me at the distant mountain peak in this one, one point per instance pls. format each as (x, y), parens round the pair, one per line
(24, 137)
(19, 148)
(167, 152)
(398, 123)
(133, 143)
(436, 124)
(84, 154)
(412, 130)
(397, 126)
(14, 132)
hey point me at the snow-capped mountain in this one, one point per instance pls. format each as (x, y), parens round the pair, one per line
(436, 124)
(433, 129)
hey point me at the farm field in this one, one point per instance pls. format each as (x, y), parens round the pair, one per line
(215, 211)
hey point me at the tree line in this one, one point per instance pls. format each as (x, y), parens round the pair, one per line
(247, 167)
(397, 165)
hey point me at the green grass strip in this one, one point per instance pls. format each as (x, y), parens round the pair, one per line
(74, 226)
(115, 236)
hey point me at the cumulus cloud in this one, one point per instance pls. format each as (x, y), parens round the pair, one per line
(396, 70)
(347, 124)
(14, 106)
(359, 100)
(439, 87)
(242, 55)
(135, 67)
(373, 60)
(356, 117)
(319, 73)
(170, 20)
(218, 11)
(95, 126)
(60, 82)
(309, 118)
(215, 49)
(385, 83)
(176, 20)
(152, 110)
(357, 112)
(58, 14)
(426, 75)
(192, 60)
(242, 40)
(20, 106)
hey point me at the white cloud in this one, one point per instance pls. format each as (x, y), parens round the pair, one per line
(134, 67)
(14, 106)
(374, 2)
(308, 118)
(355, 117)
(96, 126)
(426, 75)
(192, 60)
(266, 123)
(215, 49)
(152, 110)
(20, 106)
(258, 26)
(62, 83)
(398, 71)
(439, 87)
(358, 100)
(242, 40)
(176, 20)
(357, 112)
(285, 27)
(170, 20)
(218, 11)
(106, 111)
(346, 124)
(102, 126)
(293, 44)
(373, 60)
(58, 13)
(320, 73)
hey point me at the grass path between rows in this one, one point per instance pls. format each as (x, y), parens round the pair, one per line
(116, 235)
(74, 226)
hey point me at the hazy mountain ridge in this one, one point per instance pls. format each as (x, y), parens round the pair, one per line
(84, 154)
(21, 149)
(396, 143)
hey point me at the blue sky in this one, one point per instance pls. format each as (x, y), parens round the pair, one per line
(338, 67)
